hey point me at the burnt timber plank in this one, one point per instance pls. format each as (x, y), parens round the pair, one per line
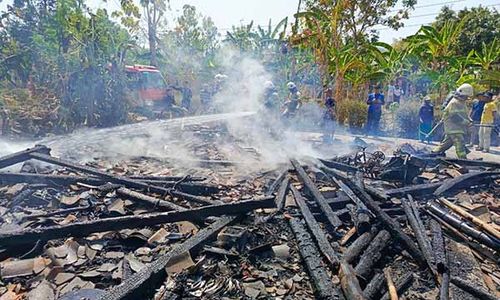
(391, 225)
(355, 249)
(416, 225)
(117, 179)
(349, 282)
(145, 199)
(143, 283)
(373, 254)
(277, 182)
(322, 282)
(186, 178)
(401, 286)
(420, 190)
(339, 166)
(362, 218)
(375, 286)
(82, 229)
(465, 181)
(281, 194)
(332, 218)
(63, 180)
(21, 156)
(319, 235)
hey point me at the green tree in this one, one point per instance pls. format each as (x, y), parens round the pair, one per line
(153, 13)
(481, 25)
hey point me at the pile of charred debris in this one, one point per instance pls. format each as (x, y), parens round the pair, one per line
(358, 226)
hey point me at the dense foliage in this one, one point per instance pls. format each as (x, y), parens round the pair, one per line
(69, 59)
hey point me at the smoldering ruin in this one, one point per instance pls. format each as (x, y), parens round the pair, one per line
(187, 208)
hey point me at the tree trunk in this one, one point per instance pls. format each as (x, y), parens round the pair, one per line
(152, 43)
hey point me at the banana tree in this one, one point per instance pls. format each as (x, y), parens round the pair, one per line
(488, 58)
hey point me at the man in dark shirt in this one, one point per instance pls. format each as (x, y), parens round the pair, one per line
(375, 102)
(187, 95)
(426, 115)
(328, 123)
(475, 115)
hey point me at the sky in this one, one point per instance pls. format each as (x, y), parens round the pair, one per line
(226, 13)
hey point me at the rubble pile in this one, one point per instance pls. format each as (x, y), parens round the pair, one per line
(359, 226)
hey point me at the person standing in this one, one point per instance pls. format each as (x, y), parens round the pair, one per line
(187, 95)
(489, 119)
(475, 115)
(328, 122)
(375, 102)
(398, 92)
(456, 121)
(426, 115)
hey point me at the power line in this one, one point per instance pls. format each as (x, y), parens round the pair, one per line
(386, 27)
(429, 5)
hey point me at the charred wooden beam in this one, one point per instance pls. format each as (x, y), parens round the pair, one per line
(349, 282)
(143, 283)
(373, 254)
(186, 178)
(148, 200)
(21, 156)
(64, 180)
(82, 229)
(65, 211)
(465, 181)
(277, 182)
(444, 286)
(439, 248)
(464, 227)
(472, 289)
(375, 287)
(420, 190)
(339, 202)
(419, 232)
(339, 166)
(319, 235)
(323, 285)
(361, 216)
(401, 285)
(281, 194)
(21, 197)
(333, 219)
(130, 183)
(355, 249)
(391, 225)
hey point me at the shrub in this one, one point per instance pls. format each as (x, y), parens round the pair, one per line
(352, 113)
(407, 120)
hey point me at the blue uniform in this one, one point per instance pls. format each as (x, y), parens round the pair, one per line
(375, 102)
(477, 110)
(426, 114)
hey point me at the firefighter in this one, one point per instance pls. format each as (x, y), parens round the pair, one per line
(456, 122)
(292, 105)
(270, 97)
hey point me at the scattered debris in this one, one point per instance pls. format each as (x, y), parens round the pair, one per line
(360, 226)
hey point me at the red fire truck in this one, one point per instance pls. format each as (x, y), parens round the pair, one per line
(148, 84)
